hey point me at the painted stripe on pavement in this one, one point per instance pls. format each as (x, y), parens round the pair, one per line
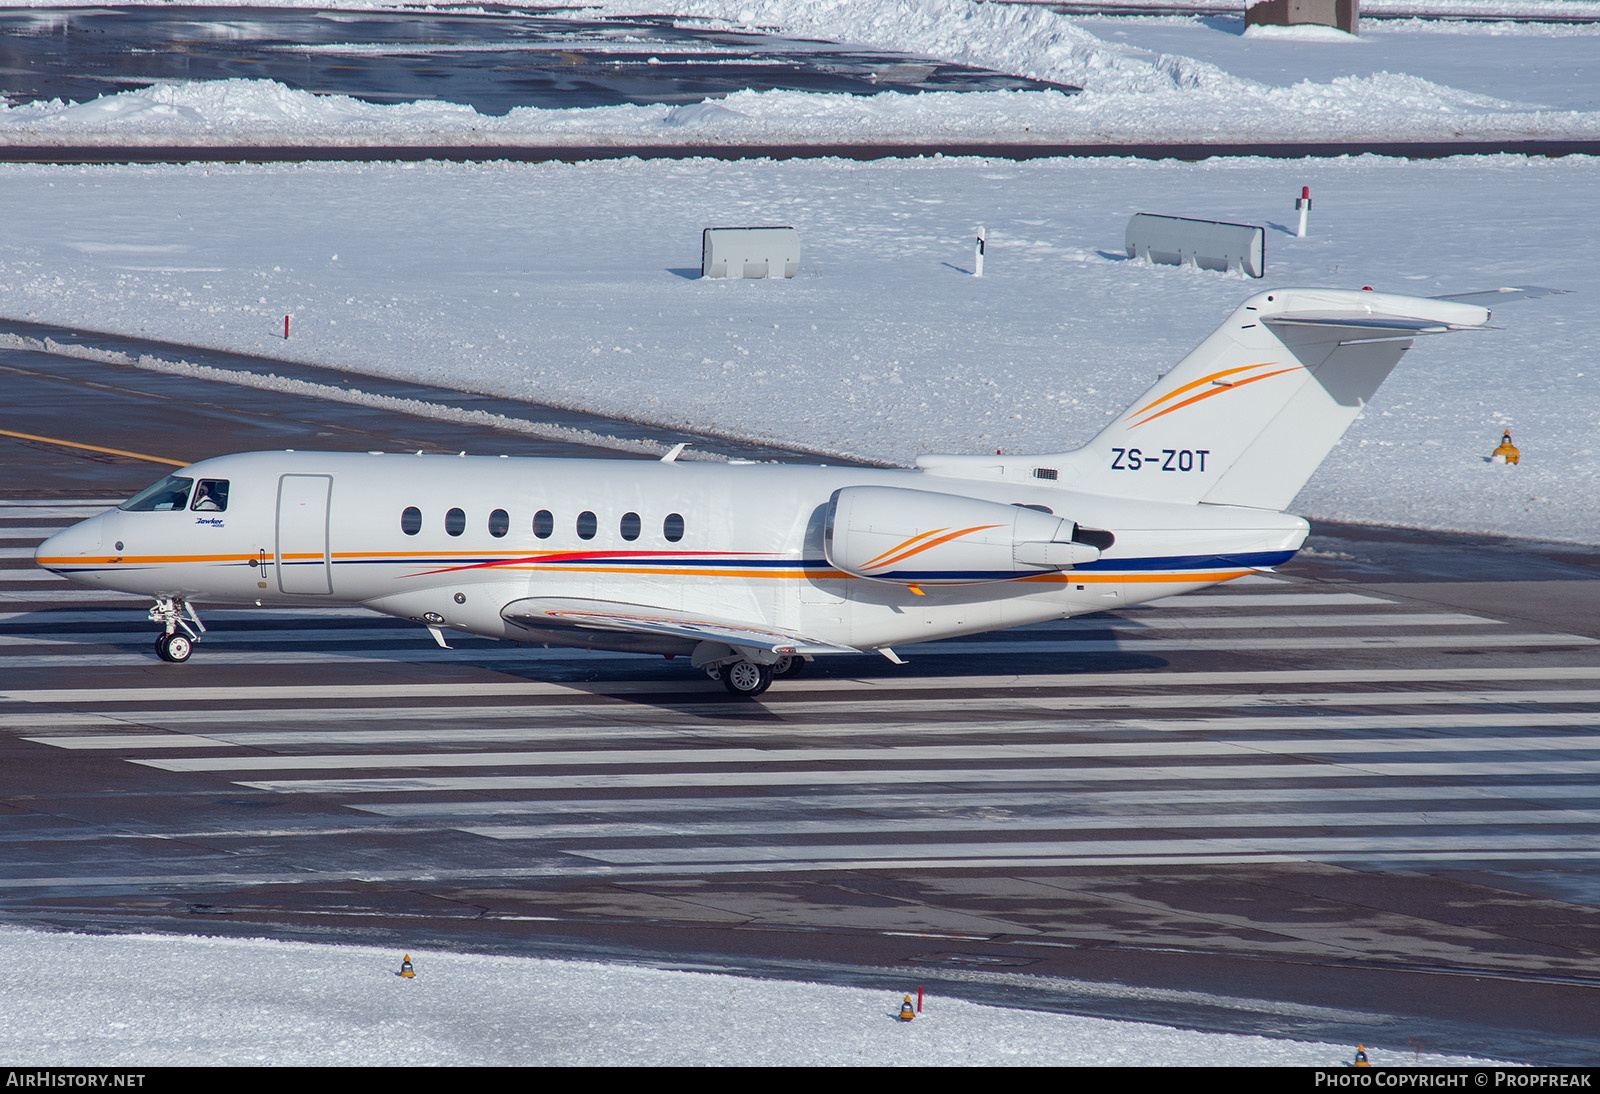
(847, 689)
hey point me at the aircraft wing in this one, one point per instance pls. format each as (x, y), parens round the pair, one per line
(610, 615)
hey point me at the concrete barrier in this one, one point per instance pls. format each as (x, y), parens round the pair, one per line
(749, 252)
(1208, 244)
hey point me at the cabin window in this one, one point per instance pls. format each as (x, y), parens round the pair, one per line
(211, 496)
(587, 525)
(672, 527)
(455, 522)
(499, 523)
(630, 526)
(544, 523)
(170, 493)
(411, 520)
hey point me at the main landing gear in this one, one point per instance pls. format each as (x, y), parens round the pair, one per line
(749, 679)
(182, 628)
(746, 678)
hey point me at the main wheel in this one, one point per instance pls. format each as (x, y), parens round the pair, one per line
(787, 666)
(746, 678)
(174, 647)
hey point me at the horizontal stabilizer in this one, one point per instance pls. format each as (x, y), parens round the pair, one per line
(1490, 297)
(1369, 324)
(573, 613)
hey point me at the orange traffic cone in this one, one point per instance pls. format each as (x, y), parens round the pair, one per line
(1507, 452)
(405, 968)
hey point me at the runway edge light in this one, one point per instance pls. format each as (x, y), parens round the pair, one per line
(406, 970)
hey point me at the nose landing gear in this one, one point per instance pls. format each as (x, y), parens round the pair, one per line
(182, 628)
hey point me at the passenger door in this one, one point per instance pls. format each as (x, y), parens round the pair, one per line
(304, 559)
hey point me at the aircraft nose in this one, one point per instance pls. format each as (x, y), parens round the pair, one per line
(72, 548)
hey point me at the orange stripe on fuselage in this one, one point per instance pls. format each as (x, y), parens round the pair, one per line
(797, 572)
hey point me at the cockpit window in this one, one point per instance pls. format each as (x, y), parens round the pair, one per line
(211, 496)
(170, 493)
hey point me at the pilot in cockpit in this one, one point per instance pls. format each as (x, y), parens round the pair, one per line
(211, 496)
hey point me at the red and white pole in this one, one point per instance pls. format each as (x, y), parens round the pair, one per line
(1303, 203)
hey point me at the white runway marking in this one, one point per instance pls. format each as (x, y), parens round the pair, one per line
(1258, 600)
(67, 511)
(1298, 847)
(928, 776)
(846, 690)
(551, 723)
(126, 614)
(996, 803)
(37, 533)
(1130, 822)
(892, 754)
(69, 594)
(222, 639)
(479, 655)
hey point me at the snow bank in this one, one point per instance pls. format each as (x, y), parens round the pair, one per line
(110, 1001)
(1131, 95)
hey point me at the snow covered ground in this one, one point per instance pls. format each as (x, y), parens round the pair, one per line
(579, 285)
(141, 1001)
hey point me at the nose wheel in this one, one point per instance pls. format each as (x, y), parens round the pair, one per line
(174, 647)
(181, 628)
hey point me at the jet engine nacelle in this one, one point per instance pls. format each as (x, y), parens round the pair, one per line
(917, 537)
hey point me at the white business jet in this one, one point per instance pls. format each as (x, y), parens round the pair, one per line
(751, 570)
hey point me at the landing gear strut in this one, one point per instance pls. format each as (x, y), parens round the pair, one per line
(182, 628)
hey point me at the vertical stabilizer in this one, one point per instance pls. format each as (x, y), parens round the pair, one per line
(1249, 415)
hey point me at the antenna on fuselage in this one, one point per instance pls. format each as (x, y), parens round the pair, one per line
(677, 450)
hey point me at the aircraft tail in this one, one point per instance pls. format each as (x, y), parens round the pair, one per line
(1249, 414)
